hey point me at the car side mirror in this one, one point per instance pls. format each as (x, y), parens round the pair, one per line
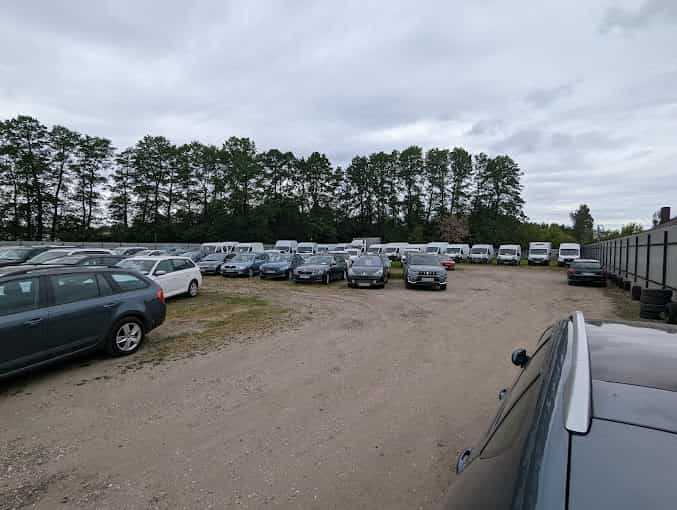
(160, 272)
(520, 357)
(462, 459)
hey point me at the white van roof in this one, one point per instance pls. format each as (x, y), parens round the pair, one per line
(510, 246)
(570, 245)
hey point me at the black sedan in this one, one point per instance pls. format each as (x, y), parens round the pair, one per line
(586, 271)
(425, 270)
(321, 268)
(368, 271)
(281, 266)
(88, 260)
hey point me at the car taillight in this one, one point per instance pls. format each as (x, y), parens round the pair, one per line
(160, 295)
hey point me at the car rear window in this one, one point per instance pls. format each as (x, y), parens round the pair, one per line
(18, 296)
(69, 288)
(128, 282)
(587, 266)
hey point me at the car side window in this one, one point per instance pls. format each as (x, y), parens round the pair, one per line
(69, 288)
(127, 282)
(508, 431)
(180, 264)
(165, 265)
(18, 296)
(104, 286)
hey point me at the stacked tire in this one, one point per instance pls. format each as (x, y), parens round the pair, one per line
(636, 292)
(671, 313)
(652, 303)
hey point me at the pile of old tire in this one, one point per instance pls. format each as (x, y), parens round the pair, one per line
(652, 303)
(636, 292)
(671, 313)
(619, 283)
(627, 284)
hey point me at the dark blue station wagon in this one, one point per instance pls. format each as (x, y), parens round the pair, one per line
(48, 314)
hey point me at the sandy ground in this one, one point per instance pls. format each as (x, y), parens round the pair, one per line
(363, 400)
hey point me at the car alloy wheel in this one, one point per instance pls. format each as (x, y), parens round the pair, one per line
(192, 289)
(128, 336)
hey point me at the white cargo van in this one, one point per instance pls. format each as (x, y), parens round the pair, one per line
(394, 251)
(458, 252)
(437, 248)
(509, 254)
(363, 243)
(481, 253)
(325, 248)
(306, 248)
(249, 248)
(286, 246)
(224, 247)
(568, 252)
(539, 253)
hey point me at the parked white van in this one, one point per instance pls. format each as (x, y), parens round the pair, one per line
(568, 252)
(437, 248)
(539, 253)
(286, 246)
(509, 254)
(306, 248)
(249, 248)
(394, 251)
(458, 252)
(375, 249)
(325, 248)
(223, 247)
(481, 253)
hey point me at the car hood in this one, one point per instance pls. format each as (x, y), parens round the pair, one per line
(238, 265)
(275, 265)
(314, 267)
(426, 268)
(209, 263)
(366, 269)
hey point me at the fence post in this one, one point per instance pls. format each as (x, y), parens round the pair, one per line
(620, 257)
(665, 257)
(627, 256)
(648, 259)
(636, 256)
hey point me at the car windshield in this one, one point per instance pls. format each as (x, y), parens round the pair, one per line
(13, 253)
(423, 260)
(453, 250)
(47, 256)
(538, 251)
(507, 251)
(217, 257)
(305, 249)
(374, 251)
(208, 249)
(568, 251)
(432, 249)
(320, 260)
(587, 266)
(279, 257)
(372, 261)
(478, 251)
(68, 261)
(391, 249)
(243, 257)
(140, 265)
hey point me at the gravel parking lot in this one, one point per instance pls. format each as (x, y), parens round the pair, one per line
(299, 396)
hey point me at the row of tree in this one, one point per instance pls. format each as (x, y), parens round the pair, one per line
(56, 183)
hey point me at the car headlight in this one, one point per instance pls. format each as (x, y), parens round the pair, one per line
(379, 273)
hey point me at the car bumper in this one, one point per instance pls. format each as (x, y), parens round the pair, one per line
(509, 262)
(593, 280)
(273, 275)
(366, 281)
(209, 270)
(543, 262)
(235, 272)
(419, 282)
(309, 278)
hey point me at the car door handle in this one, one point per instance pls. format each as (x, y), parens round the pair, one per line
(110, 305)
(33, 322)
(502, 394)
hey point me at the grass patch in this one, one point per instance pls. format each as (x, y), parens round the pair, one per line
(624, 307)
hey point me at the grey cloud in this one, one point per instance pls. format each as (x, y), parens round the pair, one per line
(540, 98)
(649, 12)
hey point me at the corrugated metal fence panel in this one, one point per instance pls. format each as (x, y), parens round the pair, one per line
(187, 246)
(649, 258)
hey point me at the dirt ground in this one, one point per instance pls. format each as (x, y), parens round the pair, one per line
(298, 396)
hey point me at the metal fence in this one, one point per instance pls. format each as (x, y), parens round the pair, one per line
(648, 259)
(97, 244)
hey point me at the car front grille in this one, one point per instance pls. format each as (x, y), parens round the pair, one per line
(304, 271)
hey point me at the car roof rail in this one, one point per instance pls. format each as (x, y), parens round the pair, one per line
(578, 390)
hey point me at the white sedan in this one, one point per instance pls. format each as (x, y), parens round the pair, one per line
(176, 275)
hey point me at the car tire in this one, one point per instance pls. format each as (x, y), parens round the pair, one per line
(290, 276)
(327, 279)
(655, 296)
(650, 311)
(636, 292)
(408, 285)
(671, 313)
(125, 337)
(251, 272)
(193, 288)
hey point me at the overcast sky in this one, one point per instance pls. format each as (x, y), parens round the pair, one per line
(583, 97)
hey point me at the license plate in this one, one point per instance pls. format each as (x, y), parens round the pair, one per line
(428, 280)
(304, 276)
(588, 274)
(363, 284)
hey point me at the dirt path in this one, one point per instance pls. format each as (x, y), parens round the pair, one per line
(364, 405)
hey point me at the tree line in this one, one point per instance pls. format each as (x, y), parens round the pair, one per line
(58, 184)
